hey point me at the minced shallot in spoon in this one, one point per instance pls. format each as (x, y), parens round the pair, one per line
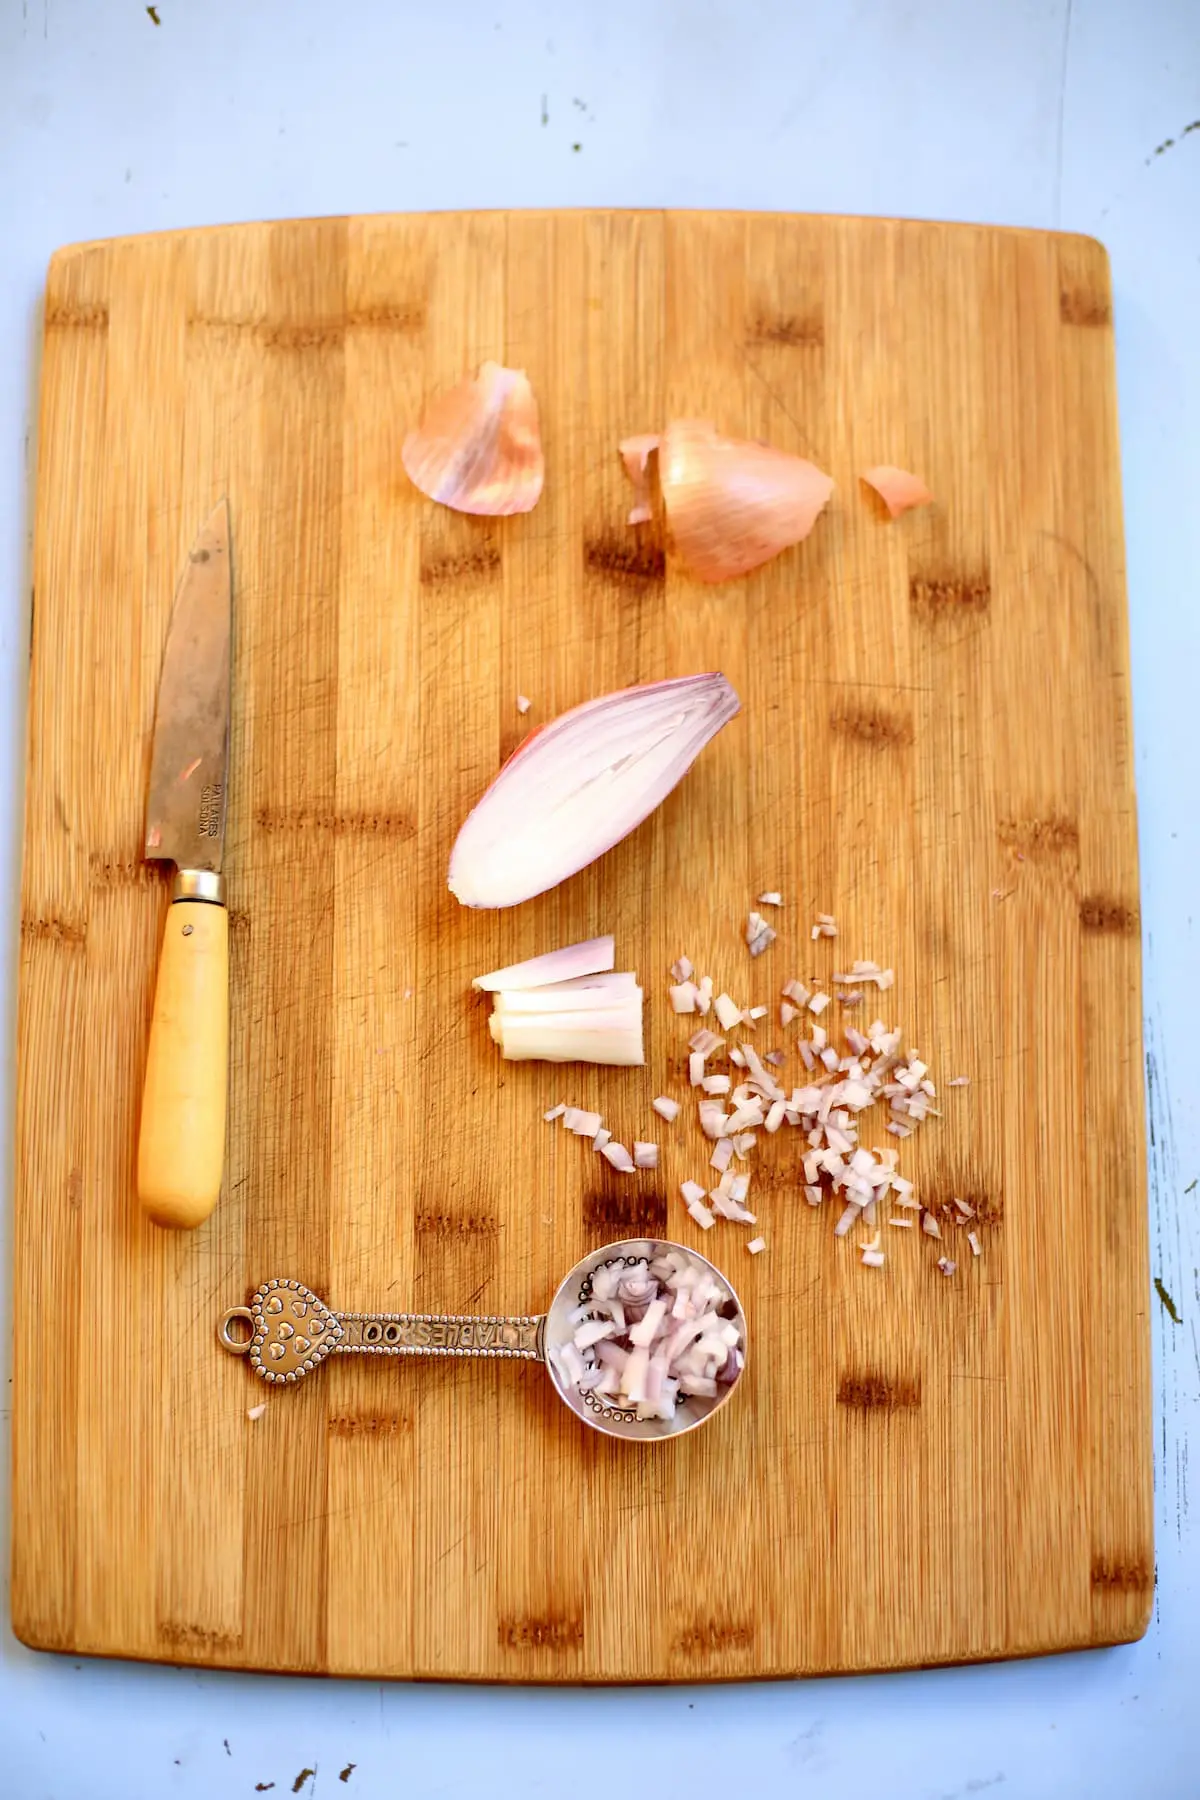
(653, 1335)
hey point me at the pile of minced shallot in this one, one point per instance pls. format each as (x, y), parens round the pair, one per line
(652, 1335)
(840, 1085)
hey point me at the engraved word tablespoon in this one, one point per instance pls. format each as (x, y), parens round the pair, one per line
(690, 1357)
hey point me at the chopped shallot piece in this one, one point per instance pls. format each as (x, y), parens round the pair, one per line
(729, 1208)
(682, 970)
(618, 1156)
(665, 1107)
(704, 1002)
(796, 990)
(973, 1240)
(478, 448)
(960, 1081)
(695, 1068)
(722, 1154)
(770, 899)
(946, 1265)
(584, 1124)
(755, 1012)
(759, 935)
(818, 1003)
(897, 488)
(556, 1112)
(712, 1118)
(256, 1412)
(592, 1331)
(601, 1138)
(904, 1224)
(523, 704)
(930, 1226)
(691, 1190)
(864, 972)
(873, 1259)
(716, 1084)
(705, 1042)
(645, 1156)
(737, 1057)
(776, 1057)
(756, 1246)
(787, 1012)
(701, 1214)
(683, 997)
(727, 1013)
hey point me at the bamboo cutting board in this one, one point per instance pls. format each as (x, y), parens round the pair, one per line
(934, 747)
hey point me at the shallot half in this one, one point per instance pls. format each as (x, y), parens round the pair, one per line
(578, 785)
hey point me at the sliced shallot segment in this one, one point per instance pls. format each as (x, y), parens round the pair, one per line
(897, 488)
(595, 957)
(478, 448)
(579, 784)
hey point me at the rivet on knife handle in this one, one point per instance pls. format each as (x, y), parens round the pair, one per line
(181, 1149)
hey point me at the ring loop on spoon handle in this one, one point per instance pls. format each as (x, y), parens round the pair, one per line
(291, 1331)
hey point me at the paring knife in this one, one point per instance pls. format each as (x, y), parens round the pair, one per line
(181, 1148)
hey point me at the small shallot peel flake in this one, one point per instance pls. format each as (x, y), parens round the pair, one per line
(478, 448)
(635, 454)
(897, 488)
(579, 784)
(732, 504)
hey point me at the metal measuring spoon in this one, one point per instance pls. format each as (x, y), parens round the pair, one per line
(292, 1331)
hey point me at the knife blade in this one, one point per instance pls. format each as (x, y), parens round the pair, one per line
(181, 1142)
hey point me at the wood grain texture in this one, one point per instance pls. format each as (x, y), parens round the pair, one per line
(935, 746)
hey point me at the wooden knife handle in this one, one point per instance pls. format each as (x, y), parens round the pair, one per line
(181, 1147)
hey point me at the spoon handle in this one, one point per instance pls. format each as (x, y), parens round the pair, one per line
(290, 1330)
(440, 1334)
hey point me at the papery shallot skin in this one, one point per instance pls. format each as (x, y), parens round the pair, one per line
(478, 448)
(897, 488)
(731, 504)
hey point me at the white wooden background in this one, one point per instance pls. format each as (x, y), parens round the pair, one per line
(1076, 113)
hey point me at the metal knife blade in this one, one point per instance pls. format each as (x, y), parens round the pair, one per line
(186, 799)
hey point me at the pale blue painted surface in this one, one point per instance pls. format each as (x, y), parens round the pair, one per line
(1015, 112)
